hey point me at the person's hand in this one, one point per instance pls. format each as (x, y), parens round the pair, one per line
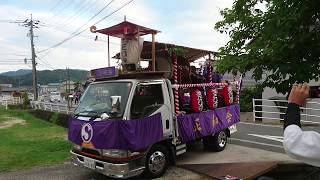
(299, 94)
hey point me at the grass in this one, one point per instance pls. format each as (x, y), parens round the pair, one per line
(36, 143)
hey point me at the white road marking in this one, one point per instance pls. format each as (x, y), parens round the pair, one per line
(254, 142)
(266, 125)
(274, 138)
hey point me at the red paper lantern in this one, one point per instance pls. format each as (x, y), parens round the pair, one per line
(227, 95)
(212, 98)
(196, 101)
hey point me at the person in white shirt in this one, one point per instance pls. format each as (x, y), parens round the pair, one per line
(301, 145)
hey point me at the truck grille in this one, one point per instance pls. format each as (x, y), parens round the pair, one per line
(90, 151)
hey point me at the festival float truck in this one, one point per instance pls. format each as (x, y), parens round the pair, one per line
(131, 121)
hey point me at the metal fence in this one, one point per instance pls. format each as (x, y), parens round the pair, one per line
(47, 106)
(10, 101)
(267, 109)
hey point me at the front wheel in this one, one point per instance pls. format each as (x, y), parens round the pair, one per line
(217, 142)
(156, 161)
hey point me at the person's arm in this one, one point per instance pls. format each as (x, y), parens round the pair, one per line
(301, 145)
(292, 116)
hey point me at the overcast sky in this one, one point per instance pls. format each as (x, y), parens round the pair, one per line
(183, 22)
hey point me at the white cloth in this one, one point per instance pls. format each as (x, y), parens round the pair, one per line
(131, 50)
(302, 145)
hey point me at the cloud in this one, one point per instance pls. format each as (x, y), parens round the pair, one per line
(194, 25)
(189, 23)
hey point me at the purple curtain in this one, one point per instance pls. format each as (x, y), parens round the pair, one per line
(197, 125)
(133, 135)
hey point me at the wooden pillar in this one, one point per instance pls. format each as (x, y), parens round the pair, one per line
(108, 51)
(153, 52)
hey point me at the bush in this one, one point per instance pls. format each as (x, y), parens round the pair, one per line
(60, 119)
(53, 117)
(44, 115)
(26, 101)
(246, 98)
(15, 106)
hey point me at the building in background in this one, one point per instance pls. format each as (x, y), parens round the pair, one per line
(67, 87)
(6, 86)
(15, 91)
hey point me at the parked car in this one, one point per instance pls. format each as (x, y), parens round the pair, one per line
(55, 97)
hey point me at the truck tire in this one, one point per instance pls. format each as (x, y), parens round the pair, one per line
(157, 161)
(217, 142)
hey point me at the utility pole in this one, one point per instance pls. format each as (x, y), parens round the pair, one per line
(68, 88)
(66, 78)
(32, 24)
(33, 57)
(69, 80)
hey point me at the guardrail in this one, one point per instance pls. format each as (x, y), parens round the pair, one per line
(275, 110)
(10, 101)
(47, 106)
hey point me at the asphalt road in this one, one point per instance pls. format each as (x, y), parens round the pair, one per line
(260, 136)
(266, 137)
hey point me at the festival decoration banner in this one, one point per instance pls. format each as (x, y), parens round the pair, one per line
(197, 125)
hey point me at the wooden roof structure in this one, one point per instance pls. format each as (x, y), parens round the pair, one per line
(126, 29)
(190, 54)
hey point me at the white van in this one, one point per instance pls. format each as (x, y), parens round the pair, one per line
(55, 97)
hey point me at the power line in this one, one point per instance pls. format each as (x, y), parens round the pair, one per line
(46, 62)
(56, 5)
(4, 20)
(62, 9)
(45, 66)
(11, 59)
(9, 54)
(76, 34)
(83, 36)
(82, 9)
(93, 17)
(11, 64)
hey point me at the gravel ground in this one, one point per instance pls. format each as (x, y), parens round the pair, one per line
(67, 171)
(179, 173)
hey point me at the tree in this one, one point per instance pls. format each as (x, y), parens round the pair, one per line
(278, 39)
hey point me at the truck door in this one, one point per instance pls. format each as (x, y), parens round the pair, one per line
(151, 98)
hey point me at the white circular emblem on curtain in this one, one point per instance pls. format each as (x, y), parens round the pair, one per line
(86, 132)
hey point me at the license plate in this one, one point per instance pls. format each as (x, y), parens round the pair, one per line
(233, 129)
(89, 163)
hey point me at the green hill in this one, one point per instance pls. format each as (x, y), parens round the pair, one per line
(44, 77)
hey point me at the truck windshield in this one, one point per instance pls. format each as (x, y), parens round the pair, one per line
(99, 99)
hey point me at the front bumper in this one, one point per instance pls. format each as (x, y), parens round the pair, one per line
(124, 170)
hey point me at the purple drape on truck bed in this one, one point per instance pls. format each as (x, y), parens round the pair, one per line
(197, 125)
(133, 135)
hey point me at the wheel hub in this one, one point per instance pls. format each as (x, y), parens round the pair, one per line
(222, 139)
(157, 162)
